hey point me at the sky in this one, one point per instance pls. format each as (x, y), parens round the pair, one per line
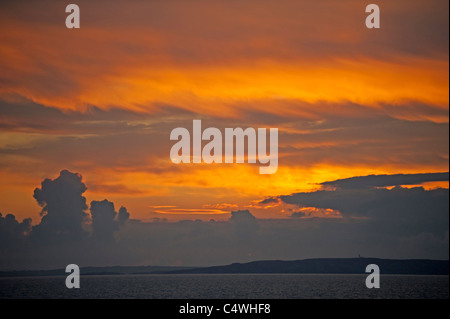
(91, 109)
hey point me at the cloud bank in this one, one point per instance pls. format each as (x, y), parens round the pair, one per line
(388, 223)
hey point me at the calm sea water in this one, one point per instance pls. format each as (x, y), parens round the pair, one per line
(242, 286)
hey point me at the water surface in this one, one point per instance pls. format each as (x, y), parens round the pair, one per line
(227, 286)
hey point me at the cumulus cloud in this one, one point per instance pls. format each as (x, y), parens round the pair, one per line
(103, 223)
(105, 220)
(63, 211)
(242, 217)
(65, 227)
(245, 225)
(63, 206)
(123, 215)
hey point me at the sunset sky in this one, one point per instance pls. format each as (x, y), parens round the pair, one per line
(102, 100)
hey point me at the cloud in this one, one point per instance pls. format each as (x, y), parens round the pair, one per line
(13, 241)
(403, 211)
(13, 232)
(130, 163)
(372, 181)
(245, 225)
(123, 215)
(314, 212)
(103, 223)
(267, 55)
(105, 220)
(63, 207)
(387, 223)
(242, 217)
(299, 214)
(64, 229)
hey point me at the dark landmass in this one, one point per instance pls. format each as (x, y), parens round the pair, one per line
(328, 266)
(306, 266)
(113, 270)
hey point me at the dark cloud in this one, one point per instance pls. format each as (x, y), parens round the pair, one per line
(21, 114)
(13, 241)
(63, 206)
(270, 200)
(13, 232)
(371, 181)
(242, 217)
(245, 225)
(64, 228)
(103, 220)
(404, 211)
(123, 215)
(298, 214)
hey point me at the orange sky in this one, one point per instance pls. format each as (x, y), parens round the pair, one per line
(102, 100)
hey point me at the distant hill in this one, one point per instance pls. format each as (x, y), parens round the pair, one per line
(306, 266)
(328, 266)
(113, 270)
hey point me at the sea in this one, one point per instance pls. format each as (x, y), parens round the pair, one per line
(227, 286)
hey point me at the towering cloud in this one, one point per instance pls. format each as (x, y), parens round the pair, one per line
(63, 206)
(103, 223)
(105, 220)
(123, 215)
(65, 231)
(245, 225)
